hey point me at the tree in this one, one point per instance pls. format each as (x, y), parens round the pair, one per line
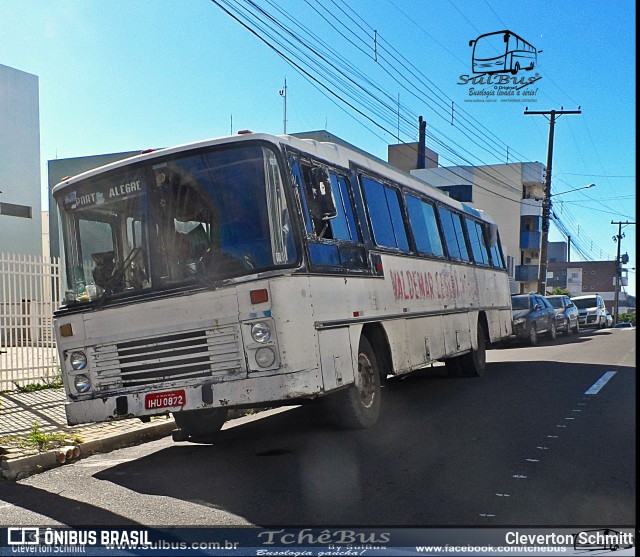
(628, 318)
(560, 290)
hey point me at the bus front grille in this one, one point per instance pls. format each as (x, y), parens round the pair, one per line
(179, 356)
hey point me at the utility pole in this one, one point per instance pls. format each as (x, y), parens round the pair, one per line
(422, 141)
(546, 202)
(568, 249)
(618, 238)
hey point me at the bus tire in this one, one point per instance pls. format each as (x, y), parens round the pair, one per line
(358, 406)
(200, 426)
(475, 362)
(533, 335)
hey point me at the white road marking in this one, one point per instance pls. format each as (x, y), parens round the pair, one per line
(600, 383)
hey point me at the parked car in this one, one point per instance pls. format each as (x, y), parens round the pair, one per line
(623, 325)
(566, 314)
(609, 320)
(532, 316)
(591, 310)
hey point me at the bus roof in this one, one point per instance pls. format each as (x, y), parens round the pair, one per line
(340, 155)
(502, 33)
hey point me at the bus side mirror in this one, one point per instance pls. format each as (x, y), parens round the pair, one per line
(471, 42)
(322, 203)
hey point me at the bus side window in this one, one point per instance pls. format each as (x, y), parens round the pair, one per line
(297, 173)
(385, 214)
(477, 241)
(425, 226)
(344, 225)
(333, 240)
(453, 234)
(314, 177)
(493, 241)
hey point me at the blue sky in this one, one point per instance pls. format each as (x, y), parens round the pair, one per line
(121, 75)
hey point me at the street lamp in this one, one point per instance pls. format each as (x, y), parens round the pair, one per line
(575, 189)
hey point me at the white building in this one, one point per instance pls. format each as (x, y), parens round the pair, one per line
(20, 213)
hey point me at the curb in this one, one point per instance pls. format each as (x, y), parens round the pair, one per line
(23, 467)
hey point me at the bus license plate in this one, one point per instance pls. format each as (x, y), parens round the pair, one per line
(170, 399)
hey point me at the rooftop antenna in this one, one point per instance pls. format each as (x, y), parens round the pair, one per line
(283, 94)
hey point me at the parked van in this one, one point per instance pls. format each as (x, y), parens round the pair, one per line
(591, 311)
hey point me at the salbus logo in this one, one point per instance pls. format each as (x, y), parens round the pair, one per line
(502, 52)
(496, 60)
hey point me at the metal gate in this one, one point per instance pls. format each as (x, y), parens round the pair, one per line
(29, 294)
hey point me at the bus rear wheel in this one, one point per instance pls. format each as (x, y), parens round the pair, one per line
(474, 363)
(358, 407)
(199, 426)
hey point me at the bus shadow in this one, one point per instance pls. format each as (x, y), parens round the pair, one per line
(431, 458)
(62, 509)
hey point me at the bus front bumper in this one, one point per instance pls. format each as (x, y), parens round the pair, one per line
(274, 389)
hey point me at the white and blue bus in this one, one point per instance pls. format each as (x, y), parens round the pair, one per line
(259, 270)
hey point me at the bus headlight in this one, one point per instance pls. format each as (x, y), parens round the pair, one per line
(265, 356)
(82, 383)
(78, 360)
(261, 332)
(519, 321)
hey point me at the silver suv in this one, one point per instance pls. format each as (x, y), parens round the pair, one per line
(591, 311)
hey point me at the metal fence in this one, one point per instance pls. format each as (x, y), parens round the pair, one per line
(29, 294)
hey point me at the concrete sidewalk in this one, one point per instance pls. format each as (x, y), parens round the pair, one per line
(19, 411)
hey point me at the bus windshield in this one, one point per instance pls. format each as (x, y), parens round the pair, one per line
(190, 219)
(490, 46)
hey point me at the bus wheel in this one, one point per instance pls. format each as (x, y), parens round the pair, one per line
(199, 426)
(358, 407)
(475, 362)
(533, 335)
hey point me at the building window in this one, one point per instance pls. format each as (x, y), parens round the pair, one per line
(13, 210)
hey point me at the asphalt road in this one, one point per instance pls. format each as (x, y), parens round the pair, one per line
(523, 445)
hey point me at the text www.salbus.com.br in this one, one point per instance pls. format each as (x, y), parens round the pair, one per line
(487, 549)
(158, 545)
